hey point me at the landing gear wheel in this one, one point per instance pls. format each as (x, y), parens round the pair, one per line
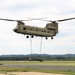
(27, 36)
(46, 38)
(32, 36)
(51, 37)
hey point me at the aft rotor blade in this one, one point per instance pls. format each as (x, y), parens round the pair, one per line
(47, 20)
(65, 19)
(59, 20)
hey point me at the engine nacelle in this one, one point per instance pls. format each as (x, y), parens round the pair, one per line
(52, 26)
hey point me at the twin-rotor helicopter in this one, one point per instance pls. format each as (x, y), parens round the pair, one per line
(50, 30)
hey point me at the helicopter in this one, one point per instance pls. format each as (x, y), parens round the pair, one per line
(50, 30)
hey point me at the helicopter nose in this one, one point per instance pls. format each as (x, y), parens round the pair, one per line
(15, 30)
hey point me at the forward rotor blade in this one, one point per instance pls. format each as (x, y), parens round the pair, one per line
(14, 20)
(27, 20)
(8, 19)
(65, 19)
(36, 18)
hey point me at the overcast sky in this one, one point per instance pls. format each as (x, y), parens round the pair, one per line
(12, 43)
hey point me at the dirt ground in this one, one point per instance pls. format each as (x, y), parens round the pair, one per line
(29, 73)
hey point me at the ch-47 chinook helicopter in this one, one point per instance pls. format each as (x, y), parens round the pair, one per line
(50, 30)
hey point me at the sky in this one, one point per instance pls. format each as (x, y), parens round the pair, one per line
(12, 43)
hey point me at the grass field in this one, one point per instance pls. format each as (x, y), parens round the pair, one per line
(60, 63)
(45, 63)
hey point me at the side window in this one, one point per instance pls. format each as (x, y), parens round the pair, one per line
(24, 28)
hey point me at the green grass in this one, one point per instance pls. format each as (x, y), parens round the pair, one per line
(54, 63)
(42, 63)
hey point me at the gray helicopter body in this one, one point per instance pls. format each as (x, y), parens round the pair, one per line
(50, 30)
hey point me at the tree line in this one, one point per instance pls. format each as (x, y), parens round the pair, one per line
(37, 57)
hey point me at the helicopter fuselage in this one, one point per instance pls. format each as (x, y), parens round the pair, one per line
(49, 31)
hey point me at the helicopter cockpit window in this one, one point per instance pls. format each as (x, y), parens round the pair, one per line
(17, 27)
